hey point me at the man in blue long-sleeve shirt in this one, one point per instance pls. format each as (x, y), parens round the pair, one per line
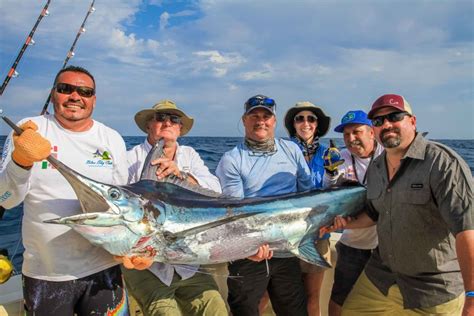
(263, 166)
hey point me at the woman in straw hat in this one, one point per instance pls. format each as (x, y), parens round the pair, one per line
(164, 289)
(306, 123)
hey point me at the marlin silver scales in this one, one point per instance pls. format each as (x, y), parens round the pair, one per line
(181, 224)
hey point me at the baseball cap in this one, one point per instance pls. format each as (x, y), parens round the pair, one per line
(260, 101)
(353, 117)
(390, 100)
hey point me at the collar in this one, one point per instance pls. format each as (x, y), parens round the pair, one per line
(417, 148)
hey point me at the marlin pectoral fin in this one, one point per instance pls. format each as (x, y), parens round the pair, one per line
(201, 228)
(307, 251)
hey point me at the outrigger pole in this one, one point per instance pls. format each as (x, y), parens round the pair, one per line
(29, 41)
(70, 53)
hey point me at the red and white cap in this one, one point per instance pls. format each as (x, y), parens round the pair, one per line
(390, 100)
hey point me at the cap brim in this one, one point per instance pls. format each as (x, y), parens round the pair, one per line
(260, 107)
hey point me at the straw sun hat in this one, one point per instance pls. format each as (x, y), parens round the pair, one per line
(166, 106)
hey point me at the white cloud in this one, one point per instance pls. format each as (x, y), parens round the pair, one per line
(219, 63)
(164, 18)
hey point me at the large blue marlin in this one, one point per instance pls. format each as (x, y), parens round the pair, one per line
(182, 224)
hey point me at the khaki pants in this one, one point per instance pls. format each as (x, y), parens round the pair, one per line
(366, 299)
(197, 295)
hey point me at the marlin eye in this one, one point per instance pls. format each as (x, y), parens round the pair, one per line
(114, 194)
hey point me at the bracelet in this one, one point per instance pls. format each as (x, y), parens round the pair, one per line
(469, 293)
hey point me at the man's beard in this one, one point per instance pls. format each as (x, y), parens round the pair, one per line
(391, 142)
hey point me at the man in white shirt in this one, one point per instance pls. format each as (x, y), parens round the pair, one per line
(63, 273)
(165, 289)
(355, 245)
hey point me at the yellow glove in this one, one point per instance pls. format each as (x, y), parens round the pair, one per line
(6, 269)
(30, 146)
(135, 262)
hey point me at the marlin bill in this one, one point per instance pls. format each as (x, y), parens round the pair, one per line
(181, 224)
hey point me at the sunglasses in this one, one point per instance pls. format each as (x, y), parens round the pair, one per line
(309, 119)
(162, 117)
(391, 117)
(65, 88)
(257, 101)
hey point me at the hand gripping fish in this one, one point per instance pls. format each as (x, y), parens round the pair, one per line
(182, 224)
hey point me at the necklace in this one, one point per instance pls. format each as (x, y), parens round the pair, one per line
(393, 168)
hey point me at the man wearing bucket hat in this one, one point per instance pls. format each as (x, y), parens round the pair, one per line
(306, 123)
(166, 289)
(355, 245)
(420, 195)
(263, 165)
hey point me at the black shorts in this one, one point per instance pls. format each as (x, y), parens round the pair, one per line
(284, 284)
(350, 264)
(101, 293)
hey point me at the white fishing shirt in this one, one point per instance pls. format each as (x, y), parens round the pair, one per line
(56, 252)
(361, 238)
(188, 160)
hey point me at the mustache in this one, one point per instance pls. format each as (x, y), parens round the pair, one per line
(355, 143)
(389, 130)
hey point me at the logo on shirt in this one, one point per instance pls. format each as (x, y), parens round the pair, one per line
(5, 196)
(100, 160)
(45, 164)
(417, 186)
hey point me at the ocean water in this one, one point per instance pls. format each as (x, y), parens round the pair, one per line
(209, 148)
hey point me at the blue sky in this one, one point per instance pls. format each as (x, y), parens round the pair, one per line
(210, 56)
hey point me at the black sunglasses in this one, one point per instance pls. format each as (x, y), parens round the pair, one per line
(162, 117)
(66, 88)
(391, 117)
(259, 101)
(309, 119)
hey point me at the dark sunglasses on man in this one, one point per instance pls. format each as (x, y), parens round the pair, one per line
(302, 118)
(162, 117)
(391, 117)
(259, 101)
(66, 88)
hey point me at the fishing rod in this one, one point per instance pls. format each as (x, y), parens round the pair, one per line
(70, 53)
(13, 73)
(29, 41)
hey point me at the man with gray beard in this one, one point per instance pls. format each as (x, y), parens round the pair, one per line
(420, 196)
(355, 246)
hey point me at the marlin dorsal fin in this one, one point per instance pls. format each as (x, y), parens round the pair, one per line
(149, 173)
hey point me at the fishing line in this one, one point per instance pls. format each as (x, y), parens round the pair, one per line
(70, 53)
(28, 42)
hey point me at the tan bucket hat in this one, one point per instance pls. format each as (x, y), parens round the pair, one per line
(323, 119)
(166, 106)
